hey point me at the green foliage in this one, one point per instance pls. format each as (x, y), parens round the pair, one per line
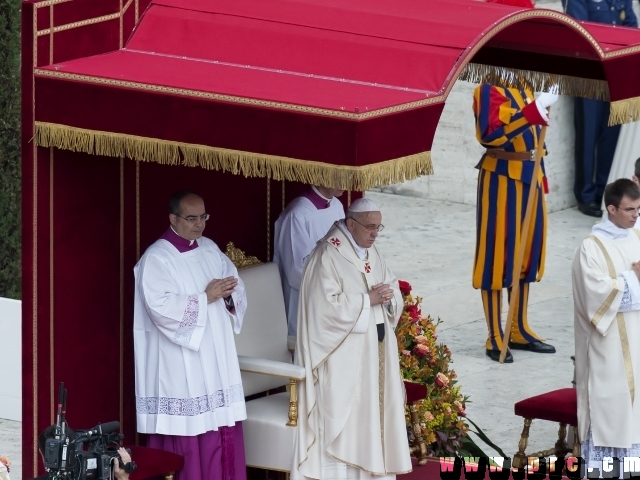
(10, 148)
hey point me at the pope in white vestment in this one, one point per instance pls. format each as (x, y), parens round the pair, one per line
(351, 405)
(606, 294)
(299, 227)
(188, 302)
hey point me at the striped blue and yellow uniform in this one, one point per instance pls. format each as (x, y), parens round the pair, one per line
(503, 189)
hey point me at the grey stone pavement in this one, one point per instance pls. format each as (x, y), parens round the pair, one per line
(11, 446)
(431, 245)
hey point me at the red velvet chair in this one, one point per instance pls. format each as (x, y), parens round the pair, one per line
(415, 393)
(153, 462)
(556, 406)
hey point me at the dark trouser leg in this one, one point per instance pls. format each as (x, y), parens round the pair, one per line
(587, 122)
(606, 149)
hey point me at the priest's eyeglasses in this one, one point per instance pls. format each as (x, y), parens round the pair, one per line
(630, 211)
(371, 228)
(193, 218)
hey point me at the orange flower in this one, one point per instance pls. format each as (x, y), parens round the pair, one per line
(459, 405)
(428, 416)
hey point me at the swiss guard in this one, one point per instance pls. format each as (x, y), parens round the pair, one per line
(508, 122)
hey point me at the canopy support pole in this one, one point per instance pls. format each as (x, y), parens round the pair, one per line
(524, 234)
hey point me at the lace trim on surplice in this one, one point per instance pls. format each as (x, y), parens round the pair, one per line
(625, 304)
(188, 407)
(183, 335)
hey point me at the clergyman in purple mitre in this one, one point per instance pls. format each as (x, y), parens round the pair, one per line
(189, 396)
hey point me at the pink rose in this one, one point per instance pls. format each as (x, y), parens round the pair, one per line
(422, 339)
(421, 350)
(406, 353)
(428, 416)
(441, 379)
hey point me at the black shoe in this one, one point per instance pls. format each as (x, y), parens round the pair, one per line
(536, 347)
(592, 209)
(495, 356)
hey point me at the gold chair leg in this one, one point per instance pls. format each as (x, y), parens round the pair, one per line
(293, 403)
(576, 443)
(561, 445)
(420, 444)
(520, 458)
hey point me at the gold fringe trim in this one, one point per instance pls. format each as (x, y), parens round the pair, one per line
(624, 111)
(539, 81)
(234, 161)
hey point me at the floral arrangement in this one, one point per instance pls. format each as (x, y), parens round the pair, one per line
(424, 361)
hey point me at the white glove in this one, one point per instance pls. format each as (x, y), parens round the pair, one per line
(546, 99)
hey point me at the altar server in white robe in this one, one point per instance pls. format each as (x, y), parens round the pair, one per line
(299, 227)
(188, 302)
(351, 405)
(606, 292)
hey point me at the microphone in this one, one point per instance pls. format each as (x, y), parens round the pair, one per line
(101, 429)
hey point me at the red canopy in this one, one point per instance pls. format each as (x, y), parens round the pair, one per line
(332, 92)
(319, 91)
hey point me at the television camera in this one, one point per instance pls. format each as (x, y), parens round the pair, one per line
(82, 454)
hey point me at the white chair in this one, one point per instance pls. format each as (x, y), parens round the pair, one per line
(265, 363)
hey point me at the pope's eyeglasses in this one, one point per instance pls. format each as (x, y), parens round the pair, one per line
(371, 228)
(193, 218)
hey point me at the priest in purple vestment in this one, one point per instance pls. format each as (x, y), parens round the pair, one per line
(306, 220)
(188, 302)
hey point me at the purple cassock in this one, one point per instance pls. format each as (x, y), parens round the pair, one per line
(181, 244)
(212, 455)
(318, 200)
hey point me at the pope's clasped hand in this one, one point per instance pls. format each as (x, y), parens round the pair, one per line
(380, 294)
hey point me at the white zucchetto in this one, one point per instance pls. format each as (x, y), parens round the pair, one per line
(363, 205)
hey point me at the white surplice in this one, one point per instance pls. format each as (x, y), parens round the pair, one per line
(607, 337)
(187, 373)
(351, 406)
(296, 232)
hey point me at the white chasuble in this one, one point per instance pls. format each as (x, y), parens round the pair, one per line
(187, 373)
(607, 337)
(296, 232)
(351, 405)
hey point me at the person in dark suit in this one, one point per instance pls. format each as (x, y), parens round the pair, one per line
(596, 141)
